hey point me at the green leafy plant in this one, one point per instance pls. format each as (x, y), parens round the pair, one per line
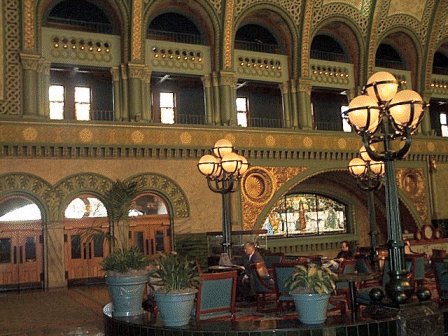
(125, 261)
(311, 279)
(174, 273)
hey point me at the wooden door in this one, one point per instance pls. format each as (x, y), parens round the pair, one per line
(21, 257)
(150, 233)
(83, 252)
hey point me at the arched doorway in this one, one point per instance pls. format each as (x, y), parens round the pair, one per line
(149, 224)
(21, 244)
(85, 228)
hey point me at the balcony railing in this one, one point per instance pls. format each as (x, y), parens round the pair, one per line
(102, 115)
(191, 119)
(328, 126)
(440, 71)
(258, 47)
(97, 27)
(265, 122)
(329, 56)
(390, 64)
(162, 35)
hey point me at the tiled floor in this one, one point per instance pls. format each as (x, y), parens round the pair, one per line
(75, 311)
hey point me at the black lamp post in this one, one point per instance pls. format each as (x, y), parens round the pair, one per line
(381, 115)
(368, 174)
(223, 170)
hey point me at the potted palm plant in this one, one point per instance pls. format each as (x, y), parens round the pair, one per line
(126, 277)
(311, 286)
(175, 280)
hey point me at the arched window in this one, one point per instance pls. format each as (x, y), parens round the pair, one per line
(306, 214)
(18, 208)
(85, 206)
(256, 38)
(148, 204)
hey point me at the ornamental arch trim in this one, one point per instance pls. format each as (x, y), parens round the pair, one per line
(168, 189)
(70, 186)
(30, 186)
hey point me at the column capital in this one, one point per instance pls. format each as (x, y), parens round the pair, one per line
(30, 61)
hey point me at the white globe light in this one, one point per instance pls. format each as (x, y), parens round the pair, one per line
(382, 86)
(244, 165)
(364, 113)
(231, 162)
(357, 167)
(377, 168)
(208, 164)
(400, 109)
(222, 147)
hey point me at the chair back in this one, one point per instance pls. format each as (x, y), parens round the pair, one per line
(216, 295)
(273, 258)
(282, 271)
(346, 266)
(440, 253)
(417, 269)
(440, 269)
(363, 265)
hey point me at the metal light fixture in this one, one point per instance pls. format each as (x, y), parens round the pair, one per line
(223, 170)
(368, 174)
(381, 115)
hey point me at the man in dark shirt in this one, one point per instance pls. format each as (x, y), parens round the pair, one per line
(345, 252)
(246, 281)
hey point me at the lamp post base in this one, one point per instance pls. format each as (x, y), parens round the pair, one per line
(399, 288)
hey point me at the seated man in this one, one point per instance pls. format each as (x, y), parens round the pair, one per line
(246, 290)
(343, 254)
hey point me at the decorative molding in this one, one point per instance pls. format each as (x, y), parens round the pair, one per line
(29, 22)
(34, 186)
(136, 35)
(169, 189)
(228, 33)
(259, 185)
(412, 183)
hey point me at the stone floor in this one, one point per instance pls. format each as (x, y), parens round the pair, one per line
(74, 311)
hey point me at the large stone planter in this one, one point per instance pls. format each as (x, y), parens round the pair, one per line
(311, 308)
(175, 308)
(127, 292)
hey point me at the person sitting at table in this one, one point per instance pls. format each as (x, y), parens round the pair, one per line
(246, 280)
(343, 254)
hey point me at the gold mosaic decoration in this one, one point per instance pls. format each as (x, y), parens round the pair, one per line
(270, 141)
(306, 36)
(185, 138)
(430, 146)
(137, 137)
(258, 187)
(136, 30)
(85, 135)
(29, 134)
(228, 31)
(411, 181)
(29, 20)
(342, 143)
(307, 142)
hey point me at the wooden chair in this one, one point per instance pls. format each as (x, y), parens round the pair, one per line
(440, 270)
(263, 284)
(281, 272)
(272, 258)
(216, 295)
(417, 268)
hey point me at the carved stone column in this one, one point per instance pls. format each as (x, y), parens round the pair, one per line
(115, 72)
(55, 255)
(304, 97)
(136, 76)
(294, 106)
(216, 99)
(30, 64)
(43, 71)
(206, 82)
(227, 82)
(285, 91)
(146, 98)
(124, 94)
